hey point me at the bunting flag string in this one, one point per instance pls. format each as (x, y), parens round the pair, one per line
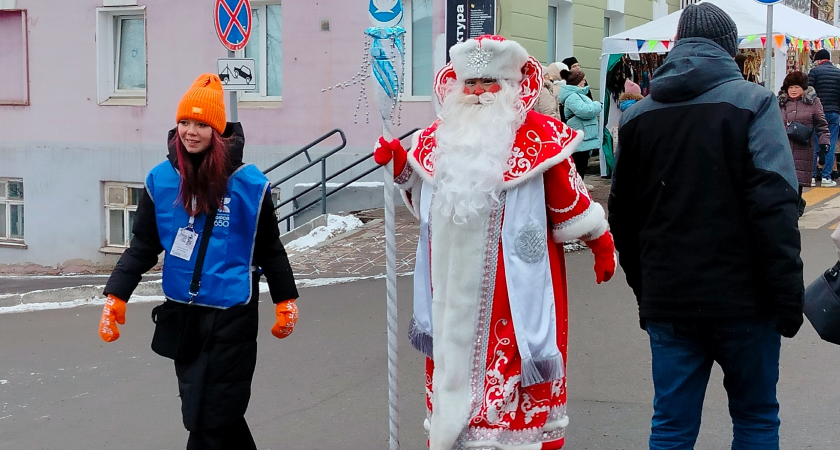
(780, 40)
(763, 41)
(652, 44)
(640, 43)
(666, 44)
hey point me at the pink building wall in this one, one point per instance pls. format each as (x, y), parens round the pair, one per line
(181, 43)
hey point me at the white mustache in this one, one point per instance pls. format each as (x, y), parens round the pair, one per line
(485, 98)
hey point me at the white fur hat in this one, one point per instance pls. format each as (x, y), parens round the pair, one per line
(488, 57)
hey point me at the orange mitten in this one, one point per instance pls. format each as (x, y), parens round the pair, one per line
(287, 315)
(113, 313)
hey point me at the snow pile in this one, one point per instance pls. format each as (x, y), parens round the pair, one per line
(335, 225)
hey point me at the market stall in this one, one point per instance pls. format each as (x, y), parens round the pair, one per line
(795, 35)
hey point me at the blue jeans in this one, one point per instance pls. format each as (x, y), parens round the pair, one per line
(683, 352)
(833, 120)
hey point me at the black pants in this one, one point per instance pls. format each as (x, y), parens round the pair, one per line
(236, 436)
(581, 160)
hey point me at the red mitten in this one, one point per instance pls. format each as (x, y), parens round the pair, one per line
(113, 313)
(384, 151)
(604, 250)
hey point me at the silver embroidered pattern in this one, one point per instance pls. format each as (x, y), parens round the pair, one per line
(530, 244)
(478, 58)
(406, 174)
(488, 287)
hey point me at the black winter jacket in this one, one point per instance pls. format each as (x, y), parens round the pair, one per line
(703, 205)
(825, 78)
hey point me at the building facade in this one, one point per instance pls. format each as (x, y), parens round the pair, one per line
(90, 88)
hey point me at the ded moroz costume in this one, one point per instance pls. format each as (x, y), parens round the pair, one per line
(497, 195)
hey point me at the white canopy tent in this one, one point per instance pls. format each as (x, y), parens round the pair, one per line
(789, 26)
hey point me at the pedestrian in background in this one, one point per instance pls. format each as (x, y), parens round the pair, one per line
(799, 104)
(825, 78)
(547, 101)
(581, 113)
(557, 73)
(573, 64)
(703, 208)
(202, 188)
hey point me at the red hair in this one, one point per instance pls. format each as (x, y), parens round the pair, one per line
(208, 181)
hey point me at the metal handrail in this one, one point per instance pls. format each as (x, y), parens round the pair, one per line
(322, 160)
(306, 148)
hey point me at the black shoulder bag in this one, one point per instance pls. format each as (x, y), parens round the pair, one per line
(822, 304)
(798, 132)
(177, 334)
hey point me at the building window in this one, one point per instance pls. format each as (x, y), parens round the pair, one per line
(265, 47)
(120, 208)
(419, 72)
(560, 30)
(11, 209)
(14, 67)
(121, 62)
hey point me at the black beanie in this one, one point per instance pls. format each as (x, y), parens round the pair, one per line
(705, 20)
(570, 61)
(821, 55)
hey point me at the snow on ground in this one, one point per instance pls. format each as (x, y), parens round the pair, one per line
(98, 301)
(335, 225)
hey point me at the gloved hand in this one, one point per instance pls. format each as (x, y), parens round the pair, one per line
(113, 313)
(384, 151)
(788, 321)
(604, 250)
(287, 315)
(822, 152)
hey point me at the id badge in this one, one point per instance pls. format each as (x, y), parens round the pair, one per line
(184, 244)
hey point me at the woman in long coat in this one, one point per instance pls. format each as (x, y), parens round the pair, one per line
(799, 103)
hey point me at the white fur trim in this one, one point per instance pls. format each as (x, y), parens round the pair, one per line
(499, 446)
(498, 59)
(557, 424)
(591, 222)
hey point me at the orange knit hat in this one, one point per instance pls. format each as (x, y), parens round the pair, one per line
(204, 102)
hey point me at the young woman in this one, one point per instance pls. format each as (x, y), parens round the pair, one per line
(581, 113)
(204, 188)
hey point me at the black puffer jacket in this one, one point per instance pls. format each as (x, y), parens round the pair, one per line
(703, 205)
(825, 78)
(215, 388)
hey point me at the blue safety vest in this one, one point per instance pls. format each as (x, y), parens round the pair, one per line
(226, 276)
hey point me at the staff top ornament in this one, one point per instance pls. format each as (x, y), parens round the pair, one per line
(385, 13)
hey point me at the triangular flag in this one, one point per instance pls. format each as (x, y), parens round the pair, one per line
(780, 40)
(800, 44)
(817, 44)
(652, 44)
(740, 40)
(751, 37)
(666, 44)
(640, 43)
(763, 41)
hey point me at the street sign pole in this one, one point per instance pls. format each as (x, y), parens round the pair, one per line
(234, 97)
(769, 82)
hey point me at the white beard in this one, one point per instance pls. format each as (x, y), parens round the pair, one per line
(474, 144)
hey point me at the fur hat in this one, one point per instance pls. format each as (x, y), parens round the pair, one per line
(204, 102)
(632, 88)
(488, 56)
(795, 79)
(575, 77)
(821, 55)
(570, 61)
(705, 20)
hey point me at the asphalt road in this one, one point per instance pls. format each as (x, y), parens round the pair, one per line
(325, 387)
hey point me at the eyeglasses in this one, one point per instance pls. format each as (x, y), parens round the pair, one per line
(485, 82)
